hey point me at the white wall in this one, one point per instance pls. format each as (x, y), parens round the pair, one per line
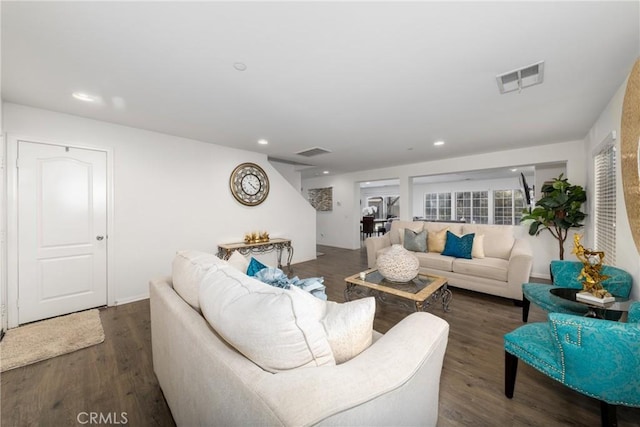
(172, 193)
(547, 173)
(3, 242)
(290, 173)
(340, 227)
(627, 256)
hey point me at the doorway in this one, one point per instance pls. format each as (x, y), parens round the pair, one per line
(61, 204)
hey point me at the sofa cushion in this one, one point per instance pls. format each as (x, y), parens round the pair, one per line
(458, 246)
(238, 261)
(498, 239)
(436, 240)
(349, 327)
(437, 226)
(188, 269)
(435, 260)
(477, 251)
(278, 329)
(489, 268)
(415, 242)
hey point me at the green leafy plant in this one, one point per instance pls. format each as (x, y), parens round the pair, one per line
(557, 211)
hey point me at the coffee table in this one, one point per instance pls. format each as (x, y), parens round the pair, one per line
(417, 294)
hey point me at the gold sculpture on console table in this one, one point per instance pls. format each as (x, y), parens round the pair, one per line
(256, 237)
(590, 273)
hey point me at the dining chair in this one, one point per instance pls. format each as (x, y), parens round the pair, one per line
(367, 226)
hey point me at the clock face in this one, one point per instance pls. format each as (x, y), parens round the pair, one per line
(249, 184)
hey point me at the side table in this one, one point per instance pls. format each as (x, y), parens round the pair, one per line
(226, 249)
(612, 310)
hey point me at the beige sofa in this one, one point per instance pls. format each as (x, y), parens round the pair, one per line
(506, 266)
(206, 381)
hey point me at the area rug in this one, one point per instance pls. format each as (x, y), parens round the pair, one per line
(50, 338)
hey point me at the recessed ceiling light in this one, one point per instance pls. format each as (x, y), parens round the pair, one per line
(514, 169)
(240, 66)
(437, 143)
(368, 182)
(85, 97)
(325, 172)
(263, 142)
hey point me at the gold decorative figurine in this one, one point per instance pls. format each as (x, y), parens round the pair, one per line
(256, 237)
(590, 273)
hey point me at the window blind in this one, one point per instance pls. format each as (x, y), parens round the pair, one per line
(605, 202)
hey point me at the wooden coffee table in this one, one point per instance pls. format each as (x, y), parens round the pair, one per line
(419, 294)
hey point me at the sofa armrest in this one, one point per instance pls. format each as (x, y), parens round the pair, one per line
(373, 245)
(393, 382)
(520, 265)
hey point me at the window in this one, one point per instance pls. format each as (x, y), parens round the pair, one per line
(507, 206)
(472, 206)
(437, 206)
(605, 202)
(385, 206)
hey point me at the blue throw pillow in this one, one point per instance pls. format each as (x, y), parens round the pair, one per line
(254, 267)
(459, 247)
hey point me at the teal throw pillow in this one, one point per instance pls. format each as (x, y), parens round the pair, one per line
(459, 247)
(415, 242)
(254, 267)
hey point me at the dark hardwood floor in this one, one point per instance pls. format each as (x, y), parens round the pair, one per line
(117, 375)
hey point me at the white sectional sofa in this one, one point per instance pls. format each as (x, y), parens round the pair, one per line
(207, 381)
(505, 267)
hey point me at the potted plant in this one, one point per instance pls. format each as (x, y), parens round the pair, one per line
(557, 211)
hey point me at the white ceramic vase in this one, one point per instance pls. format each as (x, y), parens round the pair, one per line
(398, 264)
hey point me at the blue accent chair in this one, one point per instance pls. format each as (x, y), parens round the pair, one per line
(564, 274)
(596, 357)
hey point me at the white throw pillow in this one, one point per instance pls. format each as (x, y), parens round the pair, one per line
(238, 261)
(188, 269)
(349, 327)
(477, 251)
(278, 329)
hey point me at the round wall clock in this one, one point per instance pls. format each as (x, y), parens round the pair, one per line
(249, 184)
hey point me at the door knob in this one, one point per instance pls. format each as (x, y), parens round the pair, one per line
(99, 237)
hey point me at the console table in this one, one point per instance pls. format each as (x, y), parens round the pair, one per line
(226, 249)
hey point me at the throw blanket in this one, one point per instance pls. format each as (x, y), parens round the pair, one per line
(276, 277)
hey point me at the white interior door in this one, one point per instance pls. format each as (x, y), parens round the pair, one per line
(62, 225)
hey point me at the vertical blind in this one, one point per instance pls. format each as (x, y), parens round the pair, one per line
(605, 202)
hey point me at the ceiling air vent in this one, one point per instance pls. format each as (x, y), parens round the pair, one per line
(315, 151)
(521, 78)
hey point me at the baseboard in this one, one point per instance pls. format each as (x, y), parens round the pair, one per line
(540, 276)
(131, 299)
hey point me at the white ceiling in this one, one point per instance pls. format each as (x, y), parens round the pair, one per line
(375, 83)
